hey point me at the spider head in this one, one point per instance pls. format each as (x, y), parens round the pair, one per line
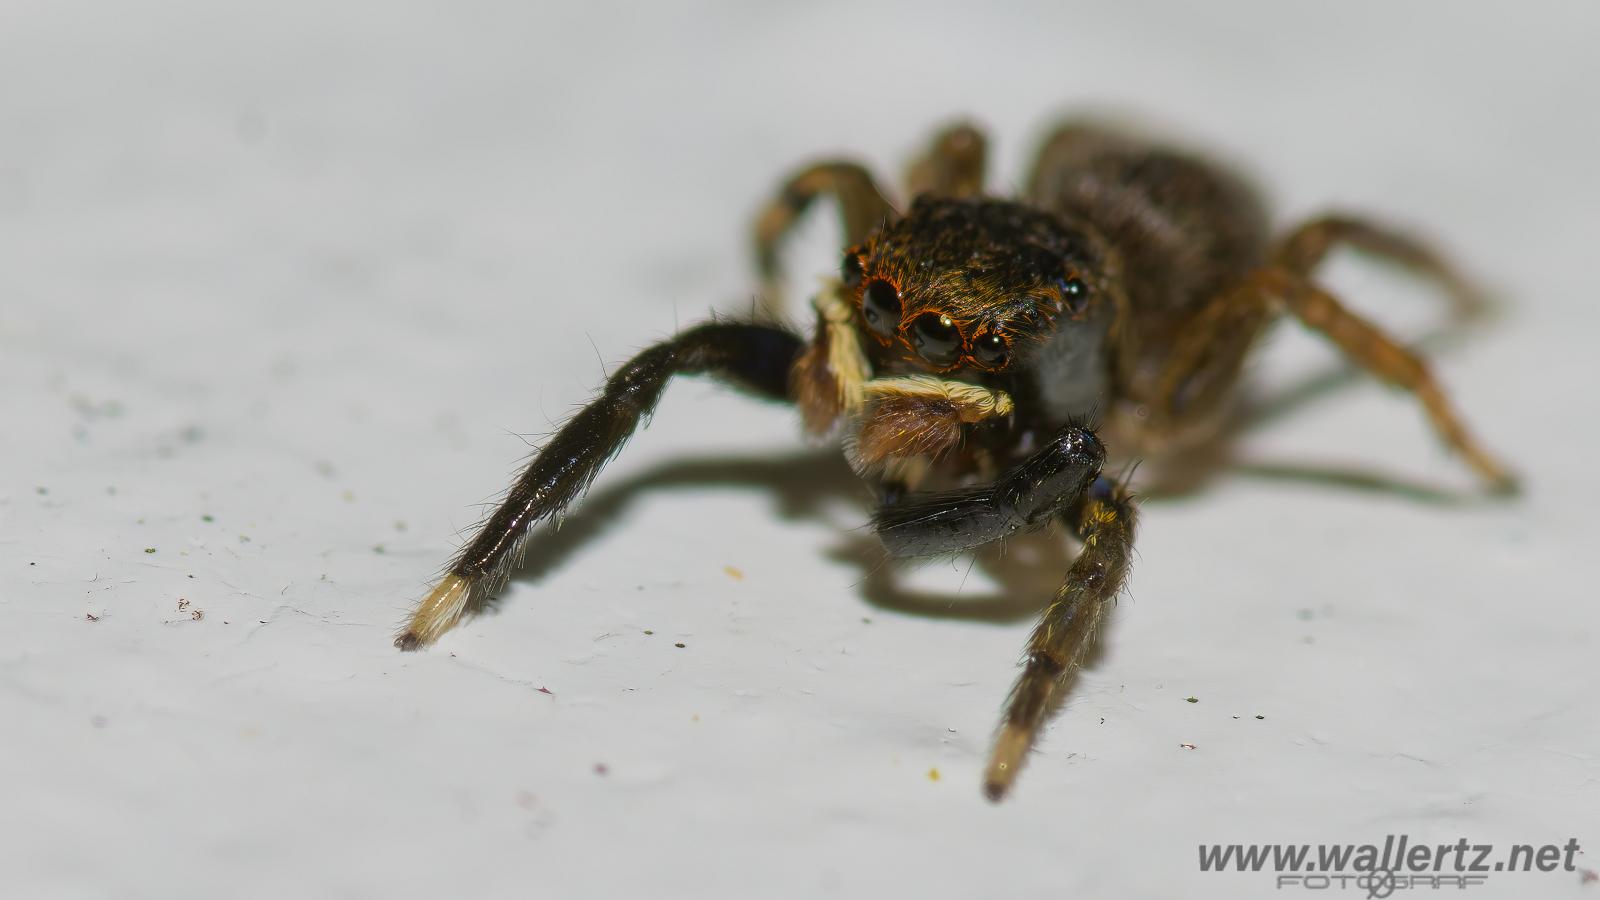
(974, 286)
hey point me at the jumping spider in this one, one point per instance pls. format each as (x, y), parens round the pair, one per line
(965, 346)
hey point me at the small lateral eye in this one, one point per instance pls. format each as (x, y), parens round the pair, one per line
(936, 338)
(850, 270)
(991, 351)
(880, 307)
(1074, 293)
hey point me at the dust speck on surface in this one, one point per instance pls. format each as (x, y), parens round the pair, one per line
(1187, 746)
(1191, 699)
(680, 645)
(734, 573)
(545, 690)
(648, 631)
(602, 769)
(197, 615)
(933, 774)
(149, 549)
(90, 617)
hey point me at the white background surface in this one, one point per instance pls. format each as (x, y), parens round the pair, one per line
(280, 283)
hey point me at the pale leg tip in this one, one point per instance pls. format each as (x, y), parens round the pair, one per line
(1010, 748)
(437, 613)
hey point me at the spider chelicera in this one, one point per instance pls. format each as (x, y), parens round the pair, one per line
(968, 343)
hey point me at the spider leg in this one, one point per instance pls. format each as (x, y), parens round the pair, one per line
(756, 358)
(1209, 357)
(1025, 496)
(1306, 247)
(1104, 520)
(953, 166)
(862, 207)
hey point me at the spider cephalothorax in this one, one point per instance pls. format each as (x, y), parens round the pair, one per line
(968, 338)
(971, 284)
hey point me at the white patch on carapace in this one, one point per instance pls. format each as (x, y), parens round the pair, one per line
(1070, 371)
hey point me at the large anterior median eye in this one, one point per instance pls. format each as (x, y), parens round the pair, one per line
(936, 338)
(880, 306)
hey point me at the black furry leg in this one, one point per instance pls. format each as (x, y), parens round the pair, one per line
(756, 358)
(1025, 496)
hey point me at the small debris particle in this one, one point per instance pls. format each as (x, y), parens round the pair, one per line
(208, 518)
(680, 645)
(347, 496)
(98, 721)
(1191, 699)
(933, 774)
(545, 690)
(378, 549)
(33, 564)
(1187, 746)
(648, 631)
(1102, 720)
(1589, 876)
(244, 538)
(90, 617)
(149, 549)
(182, 603)
(735, 574)
(1306, 615)
(197, 615)
(694, 717)
(42, 490)
(602, 769)
(399, 525)
(865, 620)
(1261, 717)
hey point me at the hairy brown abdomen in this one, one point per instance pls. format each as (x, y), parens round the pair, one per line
(1183, 226)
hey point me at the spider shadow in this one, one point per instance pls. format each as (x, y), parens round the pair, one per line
(803, 486)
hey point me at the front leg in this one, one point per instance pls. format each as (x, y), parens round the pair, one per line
(1025, 496)
(757, 358)
(861, 203)
(1105, 523)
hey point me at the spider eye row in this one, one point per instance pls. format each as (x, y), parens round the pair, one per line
(934, 335)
